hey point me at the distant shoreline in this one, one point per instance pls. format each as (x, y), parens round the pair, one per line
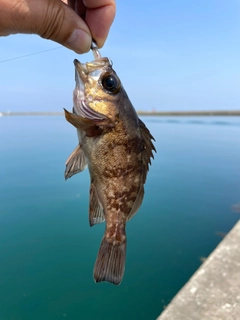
(140, 113)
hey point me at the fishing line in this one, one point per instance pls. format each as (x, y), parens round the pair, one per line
(30, 54)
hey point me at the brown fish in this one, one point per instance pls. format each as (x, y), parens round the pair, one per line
(116, 146)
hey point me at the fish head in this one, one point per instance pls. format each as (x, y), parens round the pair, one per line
(98, 88)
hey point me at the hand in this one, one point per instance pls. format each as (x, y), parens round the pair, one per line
(72, 23)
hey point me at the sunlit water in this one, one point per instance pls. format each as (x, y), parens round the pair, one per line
(48, 250)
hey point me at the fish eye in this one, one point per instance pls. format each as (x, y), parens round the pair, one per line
(111, 83)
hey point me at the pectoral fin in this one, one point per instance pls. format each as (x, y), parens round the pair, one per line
(76, 163)
(79, 122)
(92, 127)
(96, 214)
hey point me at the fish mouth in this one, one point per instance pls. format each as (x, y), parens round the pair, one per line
(92, 69)
(84, 73)
(80, 71)
(80, 77)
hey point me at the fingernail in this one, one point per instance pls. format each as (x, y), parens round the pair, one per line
(79, 41)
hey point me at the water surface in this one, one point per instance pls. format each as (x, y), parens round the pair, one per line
(48, 250)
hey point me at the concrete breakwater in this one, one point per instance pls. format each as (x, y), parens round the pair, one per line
(212, 293)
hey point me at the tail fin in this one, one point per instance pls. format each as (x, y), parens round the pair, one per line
(110, 261)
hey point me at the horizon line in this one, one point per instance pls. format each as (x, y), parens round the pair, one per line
(139, 112)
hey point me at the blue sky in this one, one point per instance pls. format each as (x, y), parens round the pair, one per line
(170, 55)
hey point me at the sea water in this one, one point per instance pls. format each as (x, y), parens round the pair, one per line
(48, 250)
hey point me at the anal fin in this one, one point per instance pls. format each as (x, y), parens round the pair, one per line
(96, 214)
(76, 163)
(137, 203)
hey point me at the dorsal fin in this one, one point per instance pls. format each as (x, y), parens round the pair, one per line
(148, 148)
(147, 153)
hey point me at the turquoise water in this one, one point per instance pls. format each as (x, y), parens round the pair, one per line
(48, 250)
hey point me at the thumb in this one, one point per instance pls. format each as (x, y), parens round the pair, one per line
(51, 19)
(60, 23)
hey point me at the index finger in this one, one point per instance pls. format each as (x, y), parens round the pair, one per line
(99, 17)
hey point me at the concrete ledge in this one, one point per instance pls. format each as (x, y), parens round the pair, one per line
(213, 292)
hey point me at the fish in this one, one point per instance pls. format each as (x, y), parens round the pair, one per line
(221, 234)
(117, 148)
(202, 259)
(236, 208)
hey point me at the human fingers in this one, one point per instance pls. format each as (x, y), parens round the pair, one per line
(51, 19)
(98, 14)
